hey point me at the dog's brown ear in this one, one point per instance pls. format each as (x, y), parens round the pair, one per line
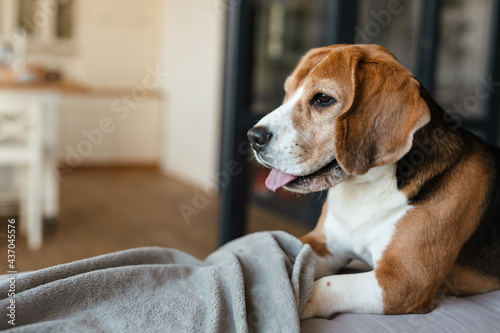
(377, 125)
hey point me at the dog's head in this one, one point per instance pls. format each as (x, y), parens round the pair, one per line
(347, 109)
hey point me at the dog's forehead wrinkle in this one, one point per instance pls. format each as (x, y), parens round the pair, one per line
(304, 81)
(319, 63)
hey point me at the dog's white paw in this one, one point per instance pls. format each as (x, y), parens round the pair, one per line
(314, 305)
(308, 311)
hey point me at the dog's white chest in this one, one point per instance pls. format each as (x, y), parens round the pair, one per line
(362, 214)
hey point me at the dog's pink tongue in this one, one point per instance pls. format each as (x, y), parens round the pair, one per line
(276, 179)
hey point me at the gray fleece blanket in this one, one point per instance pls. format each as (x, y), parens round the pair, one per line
(258, 283)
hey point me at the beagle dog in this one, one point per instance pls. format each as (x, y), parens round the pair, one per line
(409, 192)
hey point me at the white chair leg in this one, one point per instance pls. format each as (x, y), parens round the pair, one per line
(34, 208)
(50, 190)
(22, 179)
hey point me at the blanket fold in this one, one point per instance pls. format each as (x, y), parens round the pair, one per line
(258, 283)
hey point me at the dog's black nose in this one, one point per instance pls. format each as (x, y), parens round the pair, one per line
(259, 137)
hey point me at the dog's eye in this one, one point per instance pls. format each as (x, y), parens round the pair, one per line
(323, 99)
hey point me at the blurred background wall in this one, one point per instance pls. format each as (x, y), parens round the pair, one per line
(192, 54)
(124, 86)
(112, 47)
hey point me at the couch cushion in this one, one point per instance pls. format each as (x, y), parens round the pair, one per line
(478, 313)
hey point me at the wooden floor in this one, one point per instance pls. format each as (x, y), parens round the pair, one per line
(107, 210)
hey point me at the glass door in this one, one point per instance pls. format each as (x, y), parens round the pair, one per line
(283, 32)
(463, 66)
